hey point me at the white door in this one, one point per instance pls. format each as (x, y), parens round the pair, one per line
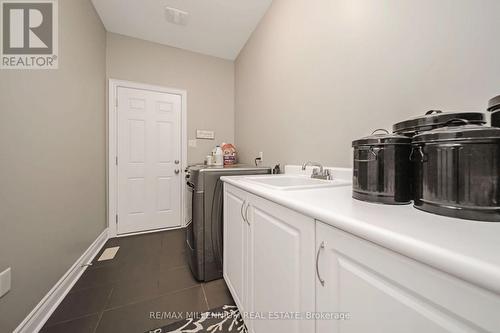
(149, 154)
(281, 268)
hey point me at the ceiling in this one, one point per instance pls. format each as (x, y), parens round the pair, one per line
(215, 27)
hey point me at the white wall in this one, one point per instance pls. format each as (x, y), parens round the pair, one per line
(209, 82)
(317, 74)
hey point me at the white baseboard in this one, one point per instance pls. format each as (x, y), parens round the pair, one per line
(41, 313)
(149, 231)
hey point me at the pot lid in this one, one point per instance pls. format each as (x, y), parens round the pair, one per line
(436, 118)
(457, 130)
(494, 103)
(381, 137)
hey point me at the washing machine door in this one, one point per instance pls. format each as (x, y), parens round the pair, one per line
(217, 217)
(212, 253)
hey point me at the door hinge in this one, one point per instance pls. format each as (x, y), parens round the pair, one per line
(116, 218)
(116, 160)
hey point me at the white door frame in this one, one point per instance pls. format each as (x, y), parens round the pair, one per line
(112, 183)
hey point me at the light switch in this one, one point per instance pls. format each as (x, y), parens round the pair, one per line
(192, 143)
(4, 282)
(205, 134)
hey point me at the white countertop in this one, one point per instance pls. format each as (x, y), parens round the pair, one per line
(466, 249)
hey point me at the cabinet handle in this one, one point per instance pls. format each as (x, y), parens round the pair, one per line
(246, 214)
(241, 210)
(322, 246)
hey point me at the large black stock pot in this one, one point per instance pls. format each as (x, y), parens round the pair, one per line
(494, 108)
(435, 119)
(457, 171)
(382, 168)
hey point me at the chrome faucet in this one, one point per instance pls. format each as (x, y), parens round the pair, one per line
(316, 164)
(319, 172)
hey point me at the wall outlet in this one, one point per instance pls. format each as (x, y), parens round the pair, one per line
(5, 282)
(192, 143)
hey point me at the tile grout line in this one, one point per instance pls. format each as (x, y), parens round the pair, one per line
(157, 295)
(101, 313)
(87, 288)
(49, 324)
(119, 280)
(160, 294)
(205, 296)
(152, 298)
(112, 285)
(70, 320)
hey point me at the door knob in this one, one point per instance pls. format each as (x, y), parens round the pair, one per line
(176, 161)
(177, 171)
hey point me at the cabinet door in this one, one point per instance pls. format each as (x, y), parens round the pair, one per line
(281, 267)
(235, 235)
(382, 291)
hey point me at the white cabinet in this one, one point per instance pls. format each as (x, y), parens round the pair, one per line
(236, 231)
(383, 291)
(268, 262)
(278, 263)
(281, 280)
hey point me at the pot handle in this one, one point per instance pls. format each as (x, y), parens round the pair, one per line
(456, 122)
(432, 112)
(372, 152)
(423, 158)
(380, 130)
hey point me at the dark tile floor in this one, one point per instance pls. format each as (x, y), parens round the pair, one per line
(148, 274)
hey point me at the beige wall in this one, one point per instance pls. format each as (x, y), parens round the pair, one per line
(316, 75)
(52, 144)
(209, 83)
(52, 169)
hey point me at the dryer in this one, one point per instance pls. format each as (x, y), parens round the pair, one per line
(204, 232)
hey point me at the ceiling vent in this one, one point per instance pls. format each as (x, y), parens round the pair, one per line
(176, 16)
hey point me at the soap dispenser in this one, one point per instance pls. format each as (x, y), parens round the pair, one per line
(219, 156)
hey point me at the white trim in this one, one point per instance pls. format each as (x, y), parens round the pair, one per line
(112, 142)
(41, 313)
(149, 231)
